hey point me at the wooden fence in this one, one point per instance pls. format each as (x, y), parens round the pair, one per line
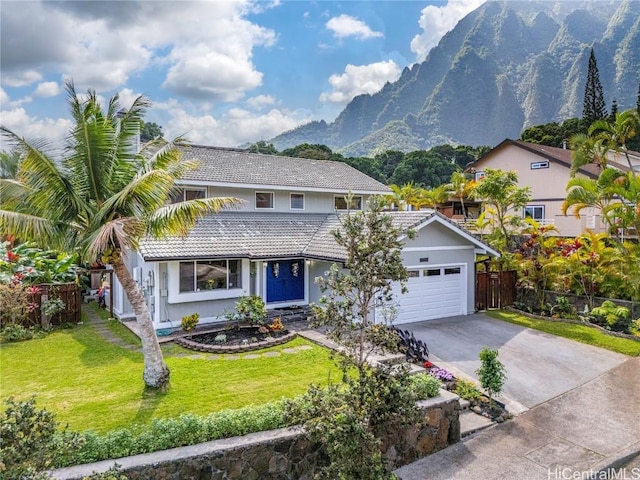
(495, 289)
(69, 293)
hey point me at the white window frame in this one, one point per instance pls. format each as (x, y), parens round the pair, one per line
(532, 209)
(175, 297)
(344, 197)
(479, 175)
(539, 165)
(195, 275)
(273, 200)
(291, 201)
(184, 191)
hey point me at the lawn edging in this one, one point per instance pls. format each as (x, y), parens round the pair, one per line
(285, 452)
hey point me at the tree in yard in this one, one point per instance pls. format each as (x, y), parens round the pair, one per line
(372, 246)
(101, 198)
(598, 193)
(615, 135)
(349, 419)
(150, 131)
(491, 372)
(593, 107)
(499, 193)
(459, 187)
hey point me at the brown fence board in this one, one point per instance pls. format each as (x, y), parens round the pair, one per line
(69, 293)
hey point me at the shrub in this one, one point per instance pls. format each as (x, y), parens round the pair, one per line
(30, 440)
(187, 429)
(251, 309)
(467, 390)
(189, 322)
(634, 328)
(492, 372)
(14, 332)
(15, 302)
(425, 386)
(441, 374)
(53, 306)
(563, 308)
(615, 316)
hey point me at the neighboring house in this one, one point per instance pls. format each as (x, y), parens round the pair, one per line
(279, 240)
(547, 170)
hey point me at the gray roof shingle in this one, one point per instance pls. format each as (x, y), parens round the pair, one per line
(229, 166)
(237, 234)
(262, 235)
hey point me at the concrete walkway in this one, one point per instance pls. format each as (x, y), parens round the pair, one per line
(586, 430)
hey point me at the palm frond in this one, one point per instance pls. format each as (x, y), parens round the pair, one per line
(179, 218)
(23, 225)
(120, 233)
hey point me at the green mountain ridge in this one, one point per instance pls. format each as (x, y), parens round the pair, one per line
(505, 66)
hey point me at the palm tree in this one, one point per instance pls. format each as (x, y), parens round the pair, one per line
(589, 193)
(459, 187)
(614, 136)
(102, 198)
(586, 149)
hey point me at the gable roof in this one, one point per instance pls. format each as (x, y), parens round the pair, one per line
(276, 235)
(561, 156)
(235, 167)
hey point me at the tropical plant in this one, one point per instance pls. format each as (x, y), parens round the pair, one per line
(102, 198)
(615, 135)
(30, 440)
(614, 315)
(35, 265)
(491, 373)
(189, 322)
(499, 192)
(460, 187)
(373, 260)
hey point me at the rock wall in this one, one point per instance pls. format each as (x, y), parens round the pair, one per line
(284, 454)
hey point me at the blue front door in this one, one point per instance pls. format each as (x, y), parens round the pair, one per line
(285, 281)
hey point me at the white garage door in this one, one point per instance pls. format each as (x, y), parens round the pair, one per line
(433, 292)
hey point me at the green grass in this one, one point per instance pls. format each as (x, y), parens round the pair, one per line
(580, 333)
(91, 384)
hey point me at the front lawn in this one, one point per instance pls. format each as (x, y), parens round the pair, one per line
(92, 384)
(580, 333)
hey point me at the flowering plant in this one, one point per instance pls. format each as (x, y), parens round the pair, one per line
(276, 326)
(263, 330)
(441, 374)
(427, 364)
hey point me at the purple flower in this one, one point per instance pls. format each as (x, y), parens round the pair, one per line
(441, 374)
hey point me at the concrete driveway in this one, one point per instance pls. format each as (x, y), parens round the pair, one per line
(539, 366)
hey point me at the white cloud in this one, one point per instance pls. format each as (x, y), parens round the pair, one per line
(361, 79)
(47, 89)
(235, 127)
(4, 98)
(436, 20)
(53, 130)
(126, 97)
(207, 46)
(260, 101)
(348, 26)
(20, 79)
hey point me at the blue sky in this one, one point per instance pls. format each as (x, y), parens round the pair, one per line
(223, 73)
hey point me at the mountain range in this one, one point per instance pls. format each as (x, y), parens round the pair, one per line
(505, 66)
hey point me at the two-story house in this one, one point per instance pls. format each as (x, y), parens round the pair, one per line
(280, 239)
(546, 171)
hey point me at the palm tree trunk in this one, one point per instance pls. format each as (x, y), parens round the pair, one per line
(156, 372)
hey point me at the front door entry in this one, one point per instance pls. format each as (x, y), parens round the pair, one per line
(285, 281)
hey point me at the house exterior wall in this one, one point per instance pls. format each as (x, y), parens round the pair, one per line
(548, 187)
(314, 202)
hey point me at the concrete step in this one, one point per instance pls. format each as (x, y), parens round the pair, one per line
(471, 422)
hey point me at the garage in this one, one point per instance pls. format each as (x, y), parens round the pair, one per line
(433, 292)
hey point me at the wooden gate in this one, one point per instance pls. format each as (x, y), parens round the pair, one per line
(69, 293)
(495, 289)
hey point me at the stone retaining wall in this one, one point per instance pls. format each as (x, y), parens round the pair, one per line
(281, 454)
(528, 297)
